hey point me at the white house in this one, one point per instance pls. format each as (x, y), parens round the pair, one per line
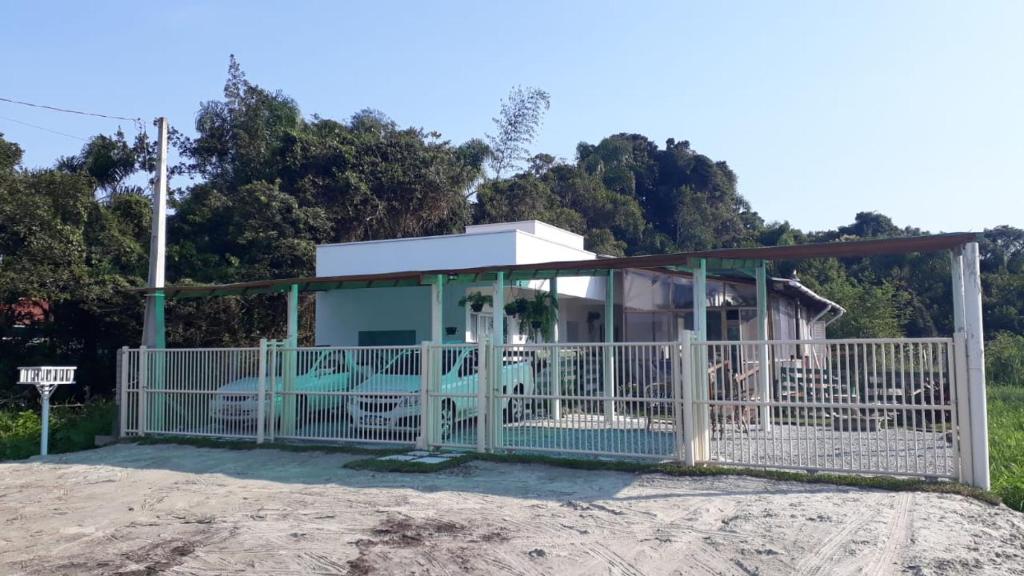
(649, 305)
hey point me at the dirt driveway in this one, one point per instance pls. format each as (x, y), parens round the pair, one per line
(130, 509)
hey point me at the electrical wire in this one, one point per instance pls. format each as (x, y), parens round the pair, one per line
(44, 129)
(69, 111)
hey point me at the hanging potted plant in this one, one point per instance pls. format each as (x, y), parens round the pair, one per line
(476, 301)
(537, 315)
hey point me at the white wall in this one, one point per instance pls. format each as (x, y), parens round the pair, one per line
(342, 314)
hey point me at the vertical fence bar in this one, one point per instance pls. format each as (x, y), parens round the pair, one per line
(481, 395)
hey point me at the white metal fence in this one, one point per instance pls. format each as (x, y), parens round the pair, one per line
(862, 406)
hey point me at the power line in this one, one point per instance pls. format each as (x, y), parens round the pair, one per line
(44, 129)
(69, 111)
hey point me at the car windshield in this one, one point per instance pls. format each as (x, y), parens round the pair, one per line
(405, 364)
(330, 362)
(408, 363)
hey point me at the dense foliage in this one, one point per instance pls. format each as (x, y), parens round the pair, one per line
(260, 184)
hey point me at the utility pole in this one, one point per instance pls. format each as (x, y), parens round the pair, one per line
(153, 331)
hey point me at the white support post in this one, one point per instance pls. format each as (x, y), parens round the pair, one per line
(122, 393)
(482, 414)
(555, 387)
(494, 439)
(143, 390)
(609, 350)
(437, 309)
(289, 402)
(275, 354)
(261, 392)
(963, 403)
(976, 364)
(701, 419)
(425, 421)
(682, 396)
(764, 370)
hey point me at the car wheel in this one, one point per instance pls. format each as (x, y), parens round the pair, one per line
(447, 419)
(516, 409)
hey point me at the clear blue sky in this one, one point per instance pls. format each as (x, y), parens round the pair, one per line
(914, 109)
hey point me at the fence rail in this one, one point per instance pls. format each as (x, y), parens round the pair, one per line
(860, 406)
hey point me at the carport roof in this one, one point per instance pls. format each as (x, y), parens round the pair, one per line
(723, 261)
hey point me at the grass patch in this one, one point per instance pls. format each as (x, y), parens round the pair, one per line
(1006, 443)
(232, 444)
(72, 428)
(408, 467)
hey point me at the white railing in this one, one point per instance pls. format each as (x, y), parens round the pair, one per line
(862, 406)
(866, 406)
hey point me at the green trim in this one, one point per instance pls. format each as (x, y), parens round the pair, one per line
(159, 317)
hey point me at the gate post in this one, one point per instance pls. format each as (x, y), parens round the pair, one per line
(273, 349)
(423, 441)
(684, 393)
(143, 385)
(963, 409)
(482, 380)
(122, 391)
(261, 392)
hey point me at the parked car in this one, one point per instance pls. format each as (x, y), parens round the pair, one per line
(390, 399)
(330, 371)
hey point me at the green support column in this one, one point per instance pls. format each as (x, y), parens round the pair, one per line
(702, 423)
(158, 378)
(291, 365)
(554, 375)
(437, 309)
(609, 338)
(700, 300)
(763, 353)
(498, 304)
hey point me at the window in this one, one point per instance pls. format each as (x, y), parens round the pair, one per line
(387, 337)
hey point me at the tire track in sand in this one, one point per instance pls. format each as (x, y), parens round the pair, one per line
(819, 559)
(896, 538)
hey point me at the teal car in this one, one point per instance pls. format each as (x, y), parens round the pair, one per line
(389, 400)
(329, 371)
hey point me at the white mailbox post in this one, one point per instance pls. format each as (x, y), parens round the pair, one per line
(46, 379)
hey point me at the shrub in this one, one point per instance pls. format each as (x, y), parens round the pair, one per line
(1004, 359)
(71, 429)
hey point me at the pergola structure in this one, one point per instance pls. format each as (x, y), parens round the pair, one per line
(747, 262)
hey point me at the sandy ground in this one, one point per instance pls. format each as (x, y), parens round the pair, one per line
(139, 510)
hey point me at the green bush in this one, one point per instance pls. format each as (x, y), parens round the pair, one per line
(1006, 443)
(1004, 359)
(71, 429)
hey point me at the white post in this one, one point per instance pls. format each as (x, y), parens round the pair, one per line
(701, 421)
(555, 387)
(44, 438)
(274, 347)
(963, 403)
(498, 340)
(143, 385)
(122, 393)
(763, 357)
(481, 396)
(423, 441)
(609, 350)
(976, 364)
(261, 392)
(437, 309)
(683, 395)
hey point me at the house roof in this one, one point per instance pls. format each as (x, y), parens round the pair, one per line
(723, 262)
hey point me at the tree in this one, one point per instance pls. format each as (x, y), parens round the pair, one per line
(518, 120)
